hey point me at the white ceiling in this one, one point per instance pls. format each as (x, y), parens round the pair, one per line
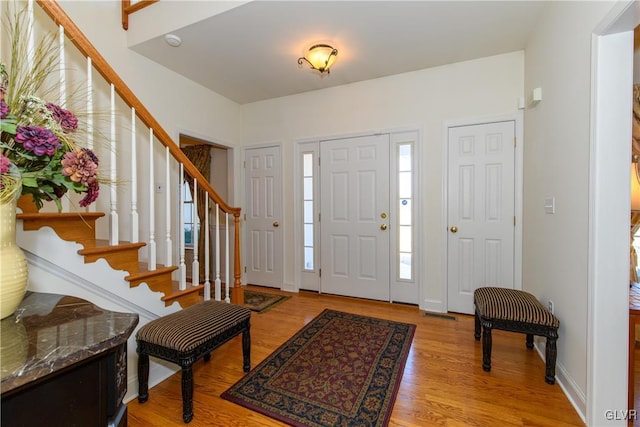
(249, 53)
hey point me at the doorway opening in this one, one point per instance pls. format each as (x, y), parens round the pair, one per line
(218, 168)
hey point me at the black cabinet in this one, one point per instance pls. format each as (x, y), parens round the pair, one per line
(74, 365)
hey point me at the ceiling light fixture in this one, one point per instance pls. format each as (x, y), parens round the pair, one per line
(320, 57)
(173, 40)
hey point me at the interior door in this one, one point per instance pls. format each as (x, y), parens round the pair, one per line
(354, 216)
(263, 178)
(481, 210)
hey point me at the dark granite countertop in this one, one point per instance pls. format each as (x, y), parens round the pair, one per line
(50, 332)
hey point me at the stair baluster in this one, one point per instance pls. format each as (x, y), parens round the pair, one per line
(207, 233)
(168, 243)
(135, 226)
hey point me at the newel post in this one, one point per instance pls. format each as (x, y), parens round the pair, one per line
(237, 293)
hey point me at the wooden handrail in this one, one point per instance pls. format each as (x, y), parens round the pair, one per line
(128, 9)
(53, 9)
(77, 37)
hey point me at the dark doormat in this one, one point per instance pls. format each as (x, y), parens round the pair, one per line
(260, 302)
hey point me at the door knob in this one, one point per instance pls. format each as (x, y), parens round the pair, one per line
(383, 227)
(454, 229)
(276, 224)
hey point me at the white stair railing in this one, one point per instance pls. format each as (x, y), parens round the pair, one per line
(122, 134)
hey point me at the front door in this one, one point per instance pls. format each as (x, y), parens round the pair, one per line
(354, 216)
(481, 210)
(263, 182)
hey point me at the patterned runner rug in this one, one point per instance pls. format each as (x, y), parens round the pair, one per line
(341, 369)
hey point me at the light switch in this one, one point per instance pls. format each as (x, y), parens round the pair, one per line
(536, 94)
(550, 205)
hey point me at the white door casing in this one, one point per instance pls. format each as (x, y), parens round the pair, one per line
(355, 216)
(263, 182)
(480, 211)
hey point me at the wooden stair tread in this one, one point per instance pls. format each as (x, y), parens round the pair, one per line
(191, 295)
(178, 293)
(48, 216)
(123, 256)
(144, 272)
(100, 246)
(70, 226)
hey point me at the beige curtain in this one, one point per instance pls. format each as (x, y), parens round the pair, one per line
(200, 156)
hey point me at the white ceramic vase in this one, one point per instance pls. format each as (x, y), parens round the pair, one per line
(13, 264)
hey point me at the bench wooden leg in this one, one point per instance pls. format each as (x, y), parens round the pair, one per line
(529, 341)
(486, 348)
(143, 378)
(476, 333)
(246, 350)
(551, 353)
(187, 393)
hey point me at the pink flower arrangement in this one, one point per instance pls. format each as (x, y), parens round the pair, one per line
(36, 143)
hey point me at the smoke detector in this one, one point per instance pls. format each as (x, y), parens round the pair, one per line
(173, 40)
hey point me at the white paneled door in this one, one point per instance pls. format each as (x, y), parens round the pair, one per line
(481, 210)
(263, 180)
(355, 216)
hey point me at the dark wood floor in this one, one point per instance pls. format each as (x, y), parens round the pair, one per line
(443, 382)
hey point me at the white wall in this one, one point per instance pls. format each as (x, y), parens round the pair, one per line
(423, 99)
(556, 164)
(176, 102)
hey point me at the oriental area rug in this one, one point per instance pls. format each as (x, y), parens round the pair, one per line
(341, 369)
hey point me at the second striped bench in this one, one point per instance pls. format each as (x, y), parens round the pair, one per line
(515, 311)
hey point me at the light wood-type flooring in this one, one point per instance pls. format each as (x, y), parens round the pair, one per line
(635, 419)
(443, 382)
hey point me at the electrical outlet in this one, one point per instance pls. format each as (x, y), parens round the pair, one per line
(551, 306)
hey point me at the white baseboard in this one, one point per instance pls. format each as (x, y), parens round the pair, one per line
(569, 387)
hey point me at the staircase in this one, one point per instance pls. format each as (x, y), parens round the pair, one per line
(98, 234)
(81, 228)
(127, 254)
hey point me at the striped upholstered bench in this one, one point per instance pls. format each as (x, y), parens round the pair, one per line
(188, 335)
(515, 311)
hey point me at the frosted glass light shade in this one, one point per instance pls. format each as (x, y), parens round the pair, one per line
(320, 57)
